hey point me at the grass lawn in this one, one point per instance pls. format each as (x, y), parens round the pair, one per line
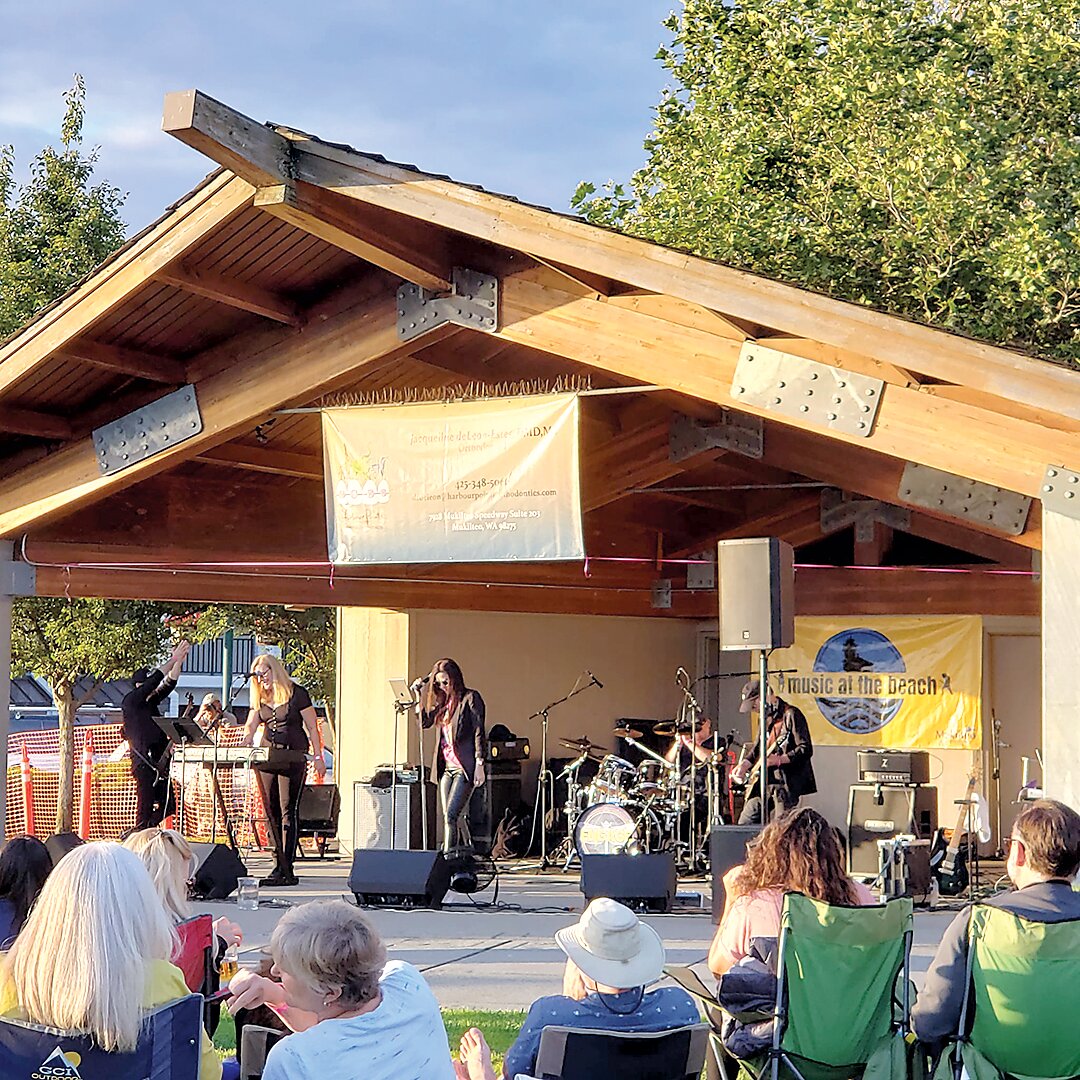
(500, 1029)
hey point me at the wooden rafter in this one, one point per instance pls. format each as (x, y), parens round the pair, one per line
(265, 460)
(41, 425)
(135, 362)
(237, 294)
(266, 156)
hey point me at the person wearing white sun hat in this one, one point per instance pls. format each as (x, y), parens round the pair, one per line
(611, 958)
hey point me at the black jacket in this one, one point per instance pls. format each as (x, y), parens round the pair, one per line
(797, 776)
(470, 735)
(139, 708)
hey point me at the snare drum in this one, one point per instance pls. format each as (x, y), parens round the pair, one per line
(613, 782)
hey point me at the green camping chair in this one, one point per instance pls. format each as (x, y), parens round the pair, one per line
(843, 991)
(1023, 984)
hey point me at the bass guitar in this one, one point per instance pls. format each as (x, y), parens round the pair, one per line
(948, 862)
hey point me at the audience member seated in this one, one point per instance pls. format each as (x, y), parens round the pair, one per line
(354, 1014)
(612, 956)
(24, 865)
(1043, 858)
(796, 852)
(170, 862)
(94, 954)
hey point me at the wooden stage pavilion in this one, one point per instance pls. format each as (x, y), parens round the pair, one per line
(273, 286)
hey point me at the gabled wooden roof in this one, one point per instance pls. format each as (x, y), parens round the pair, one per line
(273, 284)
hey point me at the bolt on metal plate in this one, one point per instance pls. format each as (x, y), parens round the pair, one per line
(817, 393)
(735, 431)
(661, 593)
(1061, 491)
(839, 510)
(145, 432)
(701, 571)
(995, 508)
(473, 302)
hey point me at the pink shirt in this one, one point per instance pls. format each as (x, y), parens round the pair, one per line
(757, 915)
(446, 727)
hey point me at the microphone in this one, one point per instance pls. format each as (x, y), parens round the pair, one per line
(417, 683)
(595, 680)
(680, 674)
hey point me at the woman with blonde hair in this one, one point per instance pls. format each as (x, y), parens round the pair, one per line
(796, 852)
(354, 1013)
(284, 710)
(93, 956)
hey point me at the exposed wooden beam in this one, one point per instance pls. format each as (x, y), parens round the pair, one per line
(237, 294)
(841, 358)
(265, 460)
(173, 237)
(369, 233)
(872, 550)
(795, 517)
(985, 446)
(31, 422)
(135, 362)
(998, 549)
(343, 336)
(265, 156)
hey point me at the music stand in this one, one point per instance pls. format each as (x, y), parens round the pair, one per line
(403, 702)
(182, 731)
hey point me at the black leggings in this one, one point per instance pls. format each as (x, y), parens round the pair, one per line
(281, 793)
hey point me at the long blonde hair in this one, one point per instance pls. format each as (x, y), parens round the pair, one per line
(81, 962)
(282, 691)
(168, 859)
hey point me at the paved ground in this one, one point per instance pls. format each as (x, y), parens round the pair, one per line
(504, 957)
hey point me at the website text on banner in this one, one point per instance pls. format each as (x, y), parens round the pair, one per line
(476, 481)
(899, 682)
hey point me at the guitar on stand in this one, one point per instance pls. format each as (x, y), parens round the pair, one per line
(949, 862)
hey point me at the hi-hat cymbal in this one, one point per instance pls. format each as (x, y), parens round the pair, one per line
(585, 746)
(627, 733)
(665, 728)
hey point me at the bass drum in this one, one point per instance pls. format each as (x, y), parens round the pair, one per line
(614, 829)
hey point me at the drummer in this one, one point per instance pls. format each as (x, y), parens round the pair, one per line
(687, 745)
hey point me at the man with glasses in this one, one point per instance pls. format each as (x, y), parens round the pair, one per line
(1043, 858)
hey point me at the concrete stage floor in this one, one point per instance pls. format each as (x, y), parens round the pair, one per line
(477, 956)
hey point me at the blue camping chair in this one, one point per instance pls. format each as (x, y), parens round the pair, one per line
(169, 1049)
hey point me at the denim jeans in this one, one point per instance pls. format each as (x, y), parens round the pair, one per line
(455, 790)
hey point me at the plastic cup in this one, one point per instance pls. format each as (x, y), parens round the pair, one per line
(247, 894)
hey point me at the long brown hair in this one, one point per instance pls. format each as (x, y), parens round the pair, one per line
(798, 852)
(434, 696)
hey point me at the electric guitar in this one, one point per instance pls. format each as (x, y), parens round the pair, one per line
(948, 862)
(751, 777)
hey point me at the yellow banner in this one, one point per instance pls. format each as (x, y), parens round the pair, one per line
(898, 682)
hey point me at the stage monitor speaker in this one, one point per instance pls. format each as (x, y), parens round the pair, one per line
(880, 811)
(727, 848)
(756, 585)
(218, 869)
(641, 882)
(371, 817)
(320, 805)
(417, 879)
(60, 844)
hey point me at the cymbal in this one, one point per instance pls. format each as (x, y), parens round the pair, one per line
(627, 733)
(664, 729)
(584, 746)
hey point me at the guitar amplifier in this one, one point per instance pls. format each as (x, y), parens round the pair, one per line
(894, 767)
(881, 812)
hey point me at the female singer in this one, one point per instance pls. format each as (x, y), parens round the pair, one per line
(461, 747)
(292, 726)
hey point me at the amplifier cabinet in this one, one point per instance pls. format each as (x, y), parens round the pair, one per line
(879, 812)
(372, 814)
(894, 767)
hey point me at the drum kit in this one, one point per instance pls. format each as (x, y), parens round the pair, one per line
(638, 809)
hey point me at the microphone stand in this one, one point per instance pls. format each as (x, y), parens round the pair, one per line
(422, 771)
(542, 804)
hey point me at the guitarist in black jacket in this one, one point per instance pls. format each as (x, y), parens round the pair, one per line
(790, 773)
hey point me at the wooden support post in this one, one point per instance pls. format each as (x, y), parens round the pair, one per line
(872, 543)
(6, 551)
(1060, 633)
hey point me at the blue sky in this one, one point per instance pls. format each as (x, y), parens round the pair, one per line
(521, 96)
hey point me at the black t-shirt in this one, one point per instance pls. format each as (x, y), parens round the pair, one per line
(284, 724)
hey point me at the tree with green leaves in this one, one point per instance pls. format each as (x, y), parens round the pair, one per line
(63, 641)
(920, 156)
(59, 225)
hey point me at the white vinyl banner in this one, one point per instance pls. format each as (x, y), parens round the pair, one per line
(476, 481)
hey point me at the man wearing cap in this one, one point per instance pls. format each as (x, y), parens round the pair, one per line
(612, 957)
(147, 741)
(790, 773)
(212, 715)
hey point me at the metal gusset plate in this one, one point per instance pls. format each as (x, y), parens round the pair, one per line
(147, 431)
(819, 394)
(740, 432)
(661, 593)
(1061, 491)
(839, 511)
(994, 508)
(473, 301)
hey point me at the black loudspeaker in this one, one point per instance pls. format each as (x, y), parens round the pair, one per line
(399, 878)
(756, 584)
(320, 805)
(60, 844)
(881, 811)
(218, 869)
(641, 882)
(504, 793)
(727, 848)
